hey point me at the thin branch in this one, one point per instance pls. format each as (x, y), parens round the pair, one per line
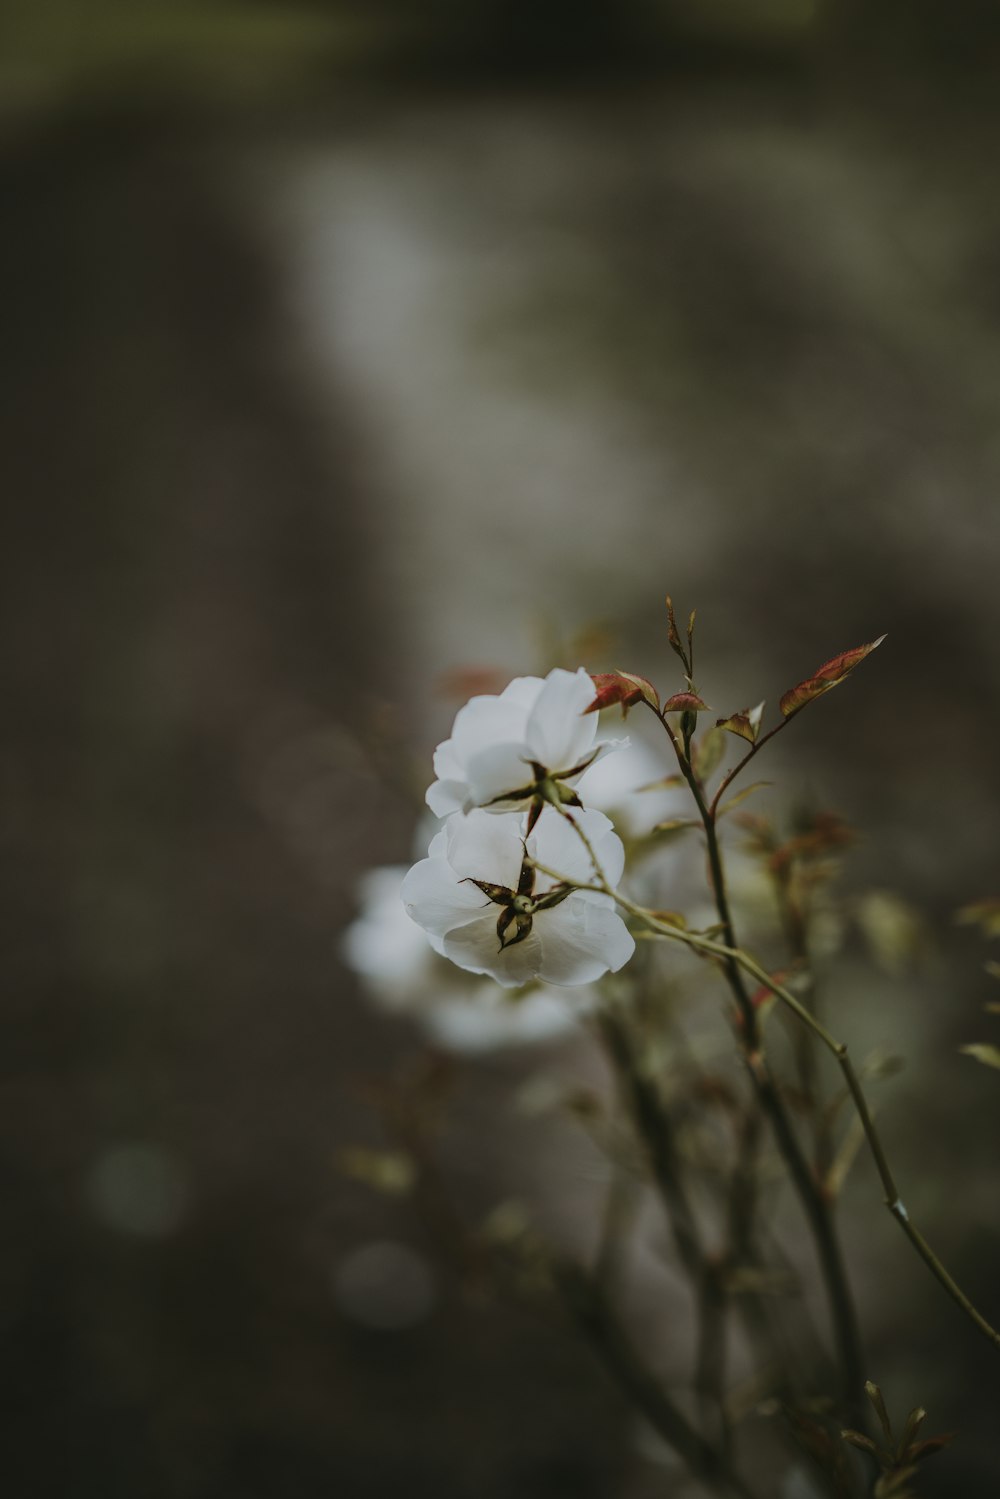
(838, 1050)
(814, 1203)
(594, 1315)
(741, 765)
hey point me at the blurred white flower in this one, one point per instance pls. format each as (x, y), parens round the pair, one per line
(485, 1017)
(489, 911)
(385, 948)
(613, 785)
(502, 749)
(404, 974)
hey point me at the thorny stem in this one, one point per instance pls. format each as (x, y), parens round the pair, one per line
(838, 1050)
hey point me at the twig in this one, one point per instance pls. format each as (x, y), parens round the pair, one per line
(592, 1312)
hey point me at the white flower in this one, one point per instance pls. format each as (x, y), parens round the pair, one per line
(502, 749)
(404, 974)
(489, 911)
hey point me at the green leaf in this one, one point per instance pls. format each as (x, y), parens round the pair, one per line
(708, 752)
(829, 675)
(985, 914)
(858, 1439)
(741, 796)
(671, 918)
(914, 1421)
(875, 1396)
(988, 1055)
(673, 826)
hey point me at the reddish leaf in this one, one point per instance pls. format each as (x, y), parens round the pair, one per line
(622, 687)
(746, 723)
(830, 674)
(673, 636)
(930, 1445)
(685, 702)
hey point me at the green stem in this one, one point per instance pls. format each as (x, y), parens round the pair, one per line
(839, 1051)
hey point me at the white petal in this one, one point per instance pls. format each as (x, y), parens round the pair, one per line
(435, 900)
(485, 846)
(447, 765)
(498, 769)
(581, 940)
(446, 797)
(556, 844)
(610, 853)
(438, 846)
(558, 732)
(476, 947)
(485, 721)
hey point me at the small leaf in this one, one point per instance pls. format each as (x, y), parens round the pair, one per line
(672, 827)
(875, 1396)
(988, 1055)
(741, 796)
(914, 1421)
(708, 752)
(830, 674)
(982, 913)
(746, 723)
(622, 687)
(671, 918)
(930, 1445)
(685, 702)
(673, 636)
(666, 784)
(858, 1439)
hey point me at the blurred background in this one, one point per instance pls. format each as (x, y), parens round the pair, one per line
(346, 345)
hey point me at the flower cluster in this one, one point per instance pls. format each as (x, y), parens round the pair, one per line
(498, 892)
